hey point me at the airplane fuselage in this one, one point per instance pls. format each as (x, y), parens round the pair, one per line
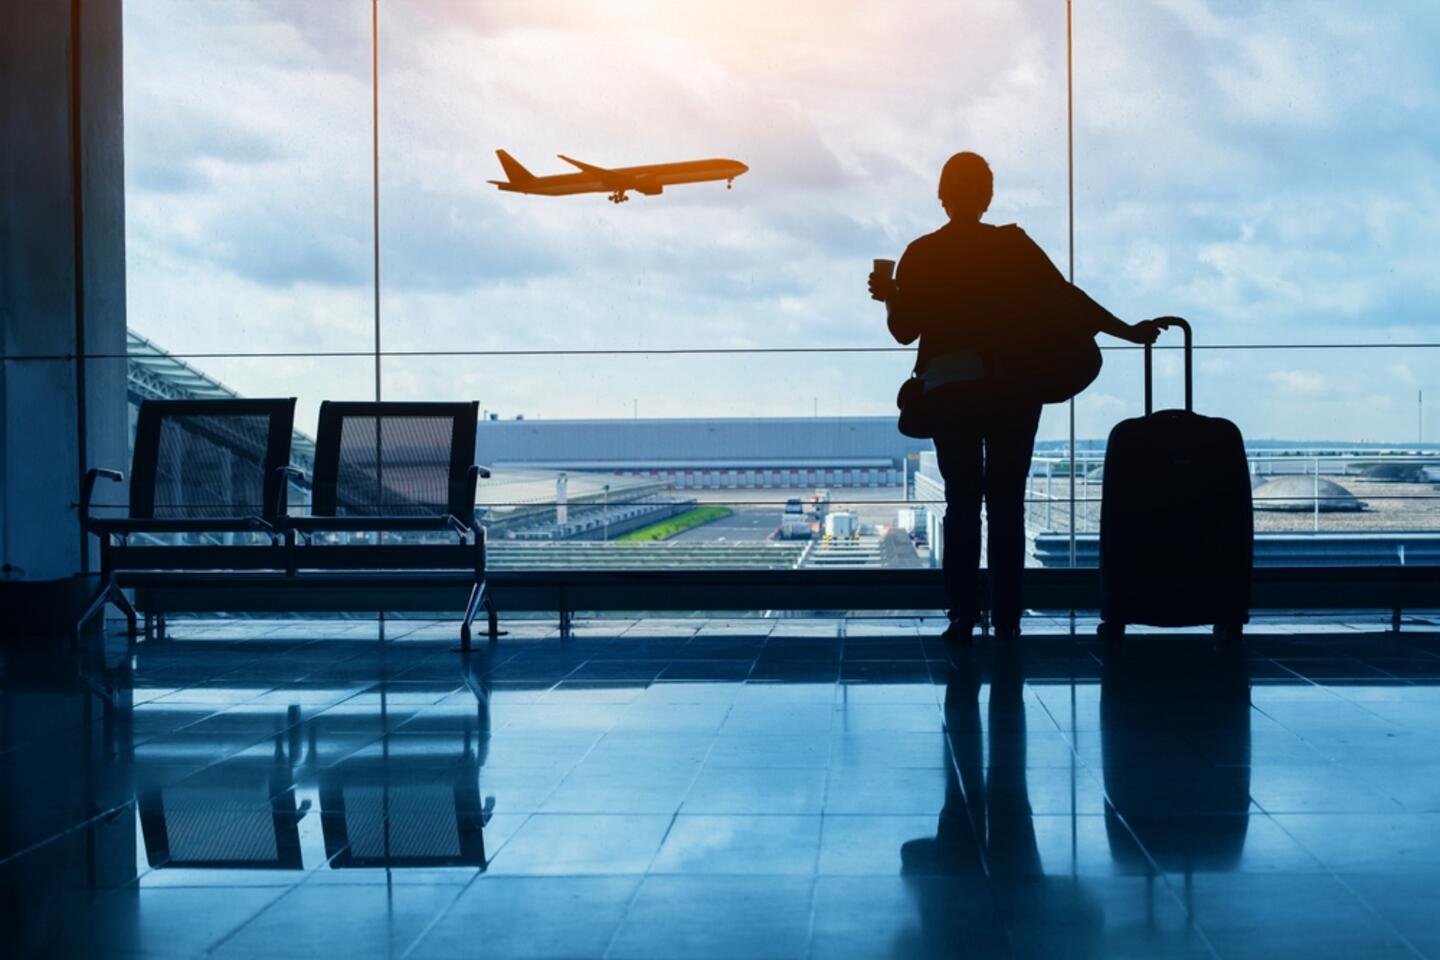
(649, 179)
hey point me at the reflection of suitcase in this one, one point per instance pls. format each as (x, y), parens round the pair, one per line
(1176, 529)
(1175, 741)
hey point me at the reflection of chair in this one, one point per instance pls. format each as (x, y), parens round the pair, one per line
(403, 468)
(254, 826)
(403, 811)
(475, 669)
(200, 467)
(1175, 733)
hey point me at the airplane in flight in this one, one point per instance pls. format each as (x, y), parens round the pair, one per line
(617, 181)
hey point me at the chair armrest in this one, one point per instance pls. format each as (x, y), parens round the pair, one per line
(87, 488)
(286, 472)
(263, 525)
(476, 471)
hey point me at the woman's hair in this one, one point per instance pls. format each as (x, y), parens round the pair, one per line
(966, 183)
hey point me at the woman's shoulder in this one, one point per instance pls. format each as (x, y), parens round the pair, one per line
(1013, 243)
(929, 241)
(953, 233)
(953, 240)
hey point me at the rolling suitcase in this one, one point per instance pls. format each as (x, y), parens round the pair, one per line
(1176, 529)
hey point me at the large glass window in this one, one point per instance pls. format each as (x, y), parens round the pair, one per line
(703, 366)
(247, 195)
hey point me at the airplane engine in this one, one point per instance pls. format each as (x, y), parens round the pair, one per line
(649, 187)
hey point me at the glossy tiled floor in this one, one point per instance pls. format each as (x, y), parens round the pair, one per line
(723, 789)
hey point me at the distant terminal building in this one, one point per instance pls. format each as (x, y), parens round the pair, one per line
(929, 490)
(720, 454)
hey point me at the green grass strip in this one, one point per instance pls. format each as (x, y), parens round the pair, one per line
(679, 523)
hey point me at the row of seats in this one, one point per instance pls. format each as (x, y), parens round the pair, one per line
(207, 467)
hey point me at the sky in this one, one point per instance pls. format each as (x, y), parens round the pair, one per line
(1270, 170)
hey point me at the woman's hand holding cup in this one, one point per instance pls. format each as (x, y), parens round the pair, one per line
(882, 280)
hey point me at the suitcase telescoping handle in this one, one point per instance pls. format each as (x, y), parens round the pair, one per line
(1165, 323)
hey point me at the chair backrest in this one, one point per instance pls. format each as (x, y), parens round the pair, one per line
(395, 459)
(210, 458)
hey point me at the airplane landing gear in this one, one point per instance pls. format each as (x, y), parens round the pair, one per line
(618, 197)
(729, 184)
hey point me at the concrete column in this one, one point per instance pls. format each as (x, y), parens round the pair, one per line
(62, 283)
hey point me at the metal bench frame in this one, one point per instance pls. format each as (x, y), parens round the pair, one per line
(898, 592)
(468, 553)
(124, 556)
(290, 555)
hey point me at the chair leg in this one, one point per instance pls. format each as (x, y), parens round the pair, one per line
(477, 598)
(95, 606)
(493, 617)
(132, 619)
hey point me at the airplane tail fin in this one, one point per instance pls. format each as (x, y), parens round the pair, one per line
(514, 170)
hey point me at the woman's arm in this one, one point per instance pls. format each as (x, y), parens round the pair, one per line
(902, 322)
(900, 314)
(1106, 322)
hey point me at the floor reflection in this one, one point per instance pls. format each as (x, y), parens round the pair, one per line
(250, 821)
(722, 790)
(986, 828)
(1175, 729)
(402, 800)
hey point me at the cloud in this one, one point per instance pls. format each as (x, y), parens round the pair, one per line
(1303, 382)
(1402, 373)
(1275, 79)
(1266, 168)
(183, 146)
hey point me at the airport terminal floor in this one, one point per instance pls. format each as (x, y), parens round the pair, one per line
(723, 788)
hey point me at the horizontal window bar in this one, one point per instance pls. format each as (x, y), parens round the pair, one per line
(842, 504)
(651, 351)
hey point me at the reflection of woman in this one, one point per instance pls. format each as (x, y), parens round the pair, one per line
(971, 292)
(987, 830)
(989, 800)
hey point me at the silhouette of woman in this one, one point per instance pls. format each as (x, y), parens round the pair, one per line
(975, 295)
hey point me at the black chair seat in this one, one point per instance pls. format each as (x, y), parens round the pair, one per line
(126, 525)
(310, 524)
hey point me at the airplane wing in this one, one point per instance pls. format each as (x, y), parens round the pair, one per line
(589, 168)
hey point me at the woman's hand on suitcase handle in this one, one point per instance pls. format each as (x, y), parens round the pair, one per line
(1144, 332)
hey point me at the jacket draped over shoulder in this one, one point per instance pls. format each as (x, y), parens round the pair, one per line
(978, 287)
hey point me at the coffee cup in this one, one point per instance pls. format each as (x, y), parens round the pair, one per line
(885, 268)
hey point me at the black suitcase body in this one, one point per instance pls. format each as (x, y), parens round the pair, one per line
(1176, 529)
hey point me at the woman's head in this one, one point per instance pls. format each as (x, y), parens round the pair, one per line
(966, 186)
